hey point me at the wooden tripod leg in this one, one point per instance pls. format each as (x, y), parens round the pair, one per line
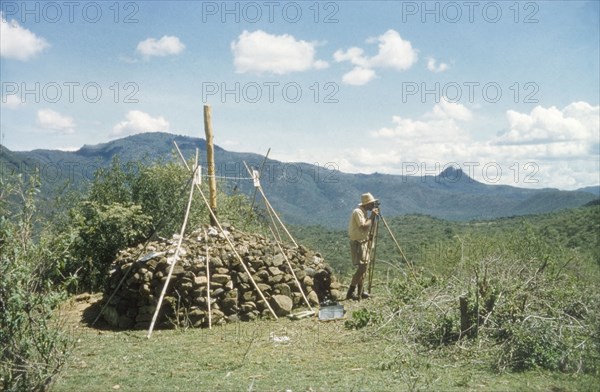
(372, 253)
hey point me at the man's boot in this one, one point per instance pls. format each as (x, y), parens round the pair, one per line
(350, 294)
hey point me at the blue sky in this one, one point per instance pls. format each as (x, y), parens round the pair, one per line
(508, 91)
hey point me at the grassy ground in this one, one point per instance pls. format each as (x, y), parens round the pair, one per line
(319, 356)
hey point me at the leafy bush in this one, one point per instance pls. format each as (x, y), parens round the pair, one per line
(33, 344)
(360, 319)
(525, 301)
(126, 205)
(532, 343)
(101, 231)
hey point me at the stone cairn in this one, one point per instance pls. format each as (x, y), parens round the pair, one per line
(232, 295)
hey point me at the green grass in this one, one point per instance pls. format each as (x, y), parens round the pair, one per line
(387, 354)
(320, 356)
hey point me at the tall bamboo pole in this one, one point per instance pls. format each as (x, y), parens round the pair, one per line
(270, 207)
(259, 172)
(175, 256)
(208, 281)
(210, 161)
(218, 225)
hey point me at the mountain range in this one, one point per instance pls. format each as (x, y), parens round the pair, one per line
(303, 193)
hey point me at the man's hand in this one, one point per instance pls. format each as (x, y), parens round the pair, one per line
(374, 212)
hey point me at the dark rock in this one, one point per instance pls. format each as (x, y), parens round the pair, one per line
(282, 305)
(275, 271)
(284, 289)
(278, 260)
(220, 278)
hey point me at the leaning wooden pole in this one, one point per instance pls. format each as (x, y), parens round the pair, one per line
(277, 216)
(270, 207)
(175, 257)
(259, 172)
(218, 225)
(287, 260)
(372, 252)
(210, 163)
(410, 265)
(208, 281)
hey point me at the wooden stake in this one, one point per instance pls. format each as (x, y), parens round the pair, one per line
(269, 206)
(372, 248)
(210, 160)
(259, 172)
(175, 256)
(410, 265)
(274, 226)
(181, 155)
(277, 216)
(396, 242)
(218, 225)
(292, 270)
(208, 282)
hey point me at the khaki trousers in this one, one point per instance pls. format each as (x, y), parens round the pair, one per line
(359, 253)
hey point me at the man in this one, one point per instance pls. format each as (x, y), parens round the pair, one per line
(358, 231)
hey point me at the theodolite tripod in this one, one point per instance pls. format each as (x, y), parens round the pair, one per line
(372, 247)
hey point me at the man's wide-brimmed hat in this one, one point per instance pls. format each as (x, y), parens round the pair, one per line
(366, 198)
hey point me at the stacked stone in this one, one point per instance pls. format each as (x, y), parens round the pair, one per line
(144, 271)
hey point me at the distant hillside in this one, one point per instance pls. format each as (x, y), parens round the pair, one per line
(591, 189)
(572, 228)
(303, 193)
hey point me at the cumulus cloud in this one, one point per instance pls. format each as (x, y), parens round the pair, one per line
(393, 52)
(438, 126)
(434, 67)
(138, 122)
(11, 102)
(450, 110)
(358, 76)
(168, 45)
(576, 122)
(354, 55)
(17, 42)
(260, 52)
(547, 147)
(52, 120)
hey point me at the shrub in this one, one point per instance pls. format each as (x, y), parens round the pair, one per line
(34, 346)
(522, 302)
(360, 319)
(127, 205)
(101, 231)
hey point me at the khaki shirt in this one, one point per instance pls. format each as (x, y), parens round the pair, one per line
(356, 231)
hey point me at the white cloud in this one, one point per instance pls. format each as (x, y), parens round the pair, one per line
(68, 148)
(394, 52)
(355, 55)
(358, 76)
(11, 102)
(138, 122)
(19, 43)
(434, 67)
(548, 147)
(450, 110)
(50, 119)
(168, 45)
(578, 121)
(260, 52)
(435, 127)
